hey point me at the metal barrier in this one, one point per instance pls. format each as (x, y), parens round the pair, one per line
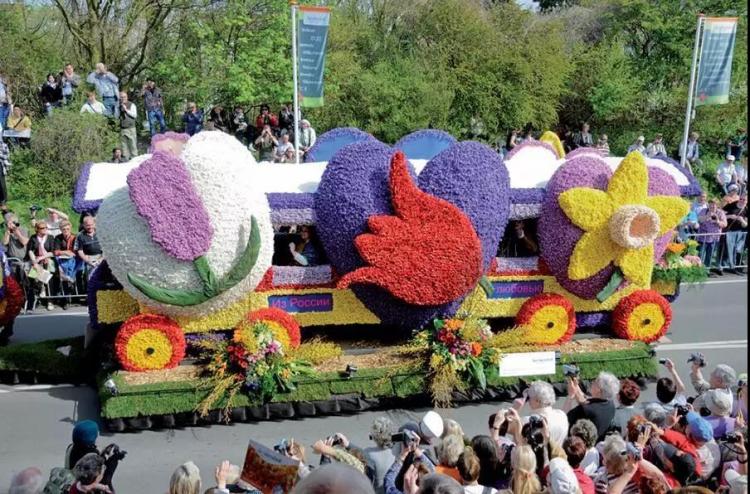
(719, 256)
(18, 271)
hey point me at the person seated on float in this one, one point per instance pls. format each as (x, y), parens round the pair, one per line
(519, 240)
(306, 252)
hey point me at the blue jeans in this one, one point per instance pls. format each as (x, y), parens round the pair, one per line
(110, 106)
(4, 113)
(707, 252)
(731, 249)
(155, 116)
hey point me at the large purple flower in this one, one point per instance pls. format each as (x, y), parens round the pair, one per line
(163, 194)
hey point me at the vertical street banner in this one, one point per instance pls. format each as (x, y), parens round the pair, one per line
(312, 36)
(715, 68)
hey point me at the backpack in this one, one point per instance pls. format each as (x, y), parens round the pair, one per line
(60, 481)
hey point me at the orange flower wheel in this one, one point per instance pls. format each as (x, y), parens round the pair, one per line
(284, 327)
(643, 315)
(549, 319)
(149, 342)
(12, 304)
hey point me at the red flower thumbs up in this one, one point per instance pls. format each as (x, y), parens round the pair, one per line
(427, 253)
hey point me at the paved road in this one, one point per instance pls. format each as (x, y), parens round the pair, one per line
(36, 421)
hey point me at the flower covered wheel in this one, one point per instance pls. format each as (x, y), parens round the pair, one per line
(149, 342)
(284, 327)
(549, 319)
(12, 304)
(643, 315)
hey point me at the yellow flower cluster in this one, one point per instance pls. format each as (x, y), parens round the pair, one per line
(114, 306)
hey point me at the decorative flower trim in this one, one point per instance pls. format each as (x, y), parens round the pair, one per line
(592, 319)
(168, 142)
(516, 265)
(643, 316)
(547, 319)
(694, 188)
(163, 194)
(407, 254)
(425, 144)
(114, 306)
(293, 216)
(526, 196)
(553, 140)
(80, 204)
(620, 224)
(12, 302)
(301, 276)
(329, 143)
(530, 143)
(149, 342)
(273, 316)
(585, 151)
(290, 200)
(524, 211)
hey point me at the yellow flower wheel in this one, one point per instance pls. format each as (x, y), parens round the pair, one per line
(549, 319)
(284, 327)
(149, 342)
(642, 316)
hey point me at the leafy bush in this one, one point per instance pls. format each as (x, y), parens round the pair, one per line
(60, 145)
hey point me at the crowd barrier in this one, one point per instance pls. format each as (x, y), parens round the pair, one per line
(719, 252)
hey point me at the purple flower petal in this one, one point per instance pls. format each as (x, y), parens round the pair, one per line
(163, 194)
(80, 204)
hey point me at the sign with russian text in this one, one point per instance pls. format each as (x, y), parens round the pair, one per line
(527, 364)
(715, 67)
(311, 42)
(312, 302)
(516, 289)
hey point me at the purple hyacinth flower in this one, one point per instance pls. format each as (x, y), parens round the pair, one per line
(163, 193)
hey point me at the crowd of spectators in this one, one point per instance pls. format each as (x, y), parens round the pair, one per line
(606, 441)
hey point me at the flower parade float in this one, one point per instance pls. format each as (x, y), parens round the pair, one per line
(200, 326)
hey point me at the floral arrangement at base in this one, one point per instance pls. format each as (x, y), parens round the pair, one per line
(457, 355)
(680, 262)
(254, 361)
(149, 342)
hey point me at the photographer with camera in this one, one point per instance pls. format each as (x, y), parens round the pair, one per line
(410, 457)
(599, 408)
(540, 396)
(625, 468)
(670, 391)
(711, 222)
(693, 435)
(85, 434)
(265, 144)
(723, 377)
(380, 457)
(334, 448)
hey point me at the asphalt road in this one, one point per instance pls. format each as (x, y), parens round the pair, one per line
(36, 421)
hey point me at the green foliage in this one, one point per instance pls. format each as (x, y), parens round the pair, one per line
(61, 144)
(44, 359)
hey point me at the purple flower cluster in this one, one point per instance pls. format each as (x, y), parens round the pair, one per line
(330, 142)
(691, 190)
(163, 194)
(80, 204)
(581, 151)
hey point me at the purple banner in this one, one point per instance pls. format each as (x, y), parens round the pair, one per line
(314, 302)
(516, 289)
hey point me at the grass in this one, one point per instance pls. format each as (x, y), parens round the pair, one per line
(184, 396)
(45, 360)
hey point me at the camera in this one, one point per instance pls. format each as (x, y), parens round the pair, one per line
(714, 217)
(570, 370)
(34, 207)
(536, 422)
(663, 361)
(282, 446)
(406, 437)
(681, 410)
(632, 452)
(697, 358)
(732, 438)
(335, 440)
(114, 451)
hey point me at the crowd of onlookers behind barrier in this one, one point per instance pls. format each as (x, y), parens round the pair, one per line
(607, 440)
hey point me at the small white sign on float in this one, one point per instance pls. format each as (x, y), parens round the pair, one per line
(527, 364)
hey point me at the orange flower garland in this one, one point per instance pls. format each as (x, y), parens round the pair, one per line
(149, 342)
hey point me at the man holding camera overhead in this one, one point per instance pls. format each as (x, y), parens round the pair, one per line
(599, 408)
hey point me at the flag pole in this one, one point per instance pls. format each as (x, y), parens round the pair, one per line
(293, 4)
(691, 90)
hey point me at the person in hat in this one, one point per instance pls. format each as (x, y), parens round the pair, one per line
(720, 406)
(726, 173)
(85, 434)
(732, 195)
(638, 146)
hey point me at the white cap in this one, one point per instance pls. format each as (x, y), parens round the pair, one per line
(737, 483)
(641, 138)
(561, 478)
(730, 157)
(431, 426)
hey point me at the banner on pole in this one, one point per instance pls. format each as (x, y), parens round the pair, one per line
(312, 37)
(715, 68)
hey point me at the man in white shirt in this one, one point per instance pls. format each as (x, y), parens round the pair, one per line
(540, 397)
(281, 149)
(656, 148)
(92, 105)
(638, 145)
(726, 173)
